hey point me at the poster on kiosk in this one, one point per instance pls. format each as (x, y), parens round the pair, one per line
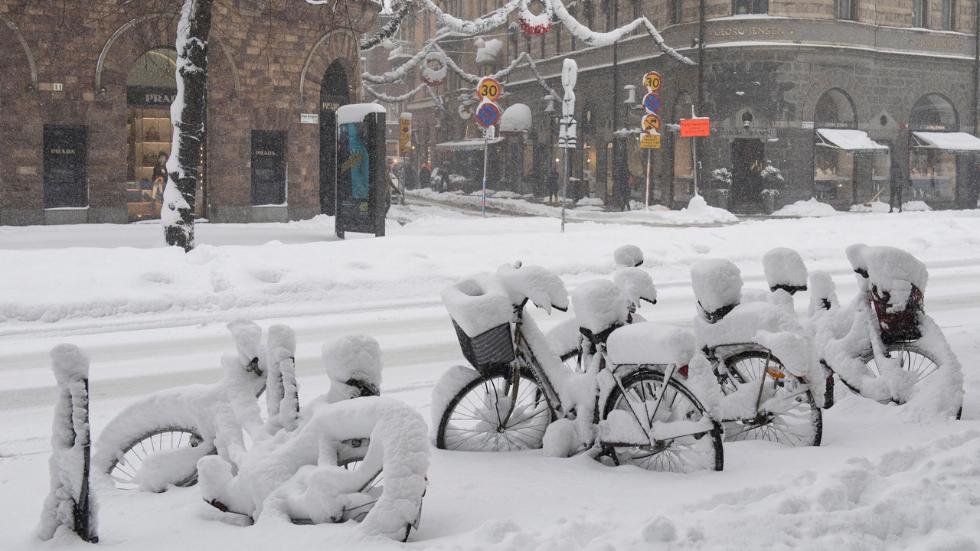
(361, 193)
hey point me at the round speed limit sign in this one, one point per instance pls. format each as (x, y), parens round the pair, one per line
(489, 88)
(652, 81)
(651, 122)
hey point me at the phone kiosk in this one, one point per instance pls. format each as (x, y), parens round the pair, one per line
(361, 191)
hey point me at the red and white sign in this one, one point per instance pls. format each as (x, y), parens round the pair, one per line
(696, 128)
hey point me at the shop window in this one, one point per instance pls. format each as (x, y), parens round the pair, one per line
(932, 175)
(845, 10)
(745, 7)
(65, 177)
(949, 15)
(268, 168)
(151, 86)
(920, 13)
(833, 174)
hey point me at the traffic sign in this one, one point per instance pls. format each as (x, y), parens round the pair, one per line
(696, 128)
(487, 114)
(649, 141)
(651, 102)
(651, 122)
(652, 81)
(489, 88)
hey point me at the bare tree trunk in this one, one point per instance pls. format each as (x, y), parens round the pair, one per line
(187, 114)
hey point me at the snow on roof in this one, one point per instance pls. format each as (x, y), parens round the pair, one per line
(947, 141)
(516, 118)
(471, 144)
(848, 140)
(356, 112)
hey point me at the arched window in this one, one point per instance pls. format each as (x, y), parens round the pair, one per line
(835, 110)
(934, 112)
(151, 86)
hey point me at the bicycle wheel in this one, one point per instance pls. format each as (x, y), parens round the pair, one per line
(483, 416)
(787, 412)
(913, 359)
(157, 459)
(695, 451)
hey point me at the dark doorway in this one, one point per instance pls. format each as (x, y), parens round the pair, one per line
(268, 167)
(65, 177)
(334, 92)
(748, 160)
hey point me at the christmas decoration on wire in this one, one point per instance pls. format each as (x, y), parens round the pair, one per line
(536, 24)
(434, 67)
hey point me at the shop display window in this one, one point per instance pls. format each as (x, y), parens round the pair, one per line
(932, 175)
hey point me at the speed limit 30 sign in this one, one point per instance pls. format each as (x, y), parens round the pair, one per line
(489, 88)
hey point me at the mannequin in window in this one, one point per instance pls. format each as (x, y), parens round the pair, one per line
(159, 177)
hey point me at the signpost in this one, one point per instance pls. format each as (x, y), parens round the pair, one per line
(487, 114)
(568, 133)
(651, 123)
(695, 127)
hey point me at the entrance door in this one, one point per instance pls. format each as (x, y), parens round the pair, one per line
(268, 167)
(748, 160)
(65, 151)
(334, 92)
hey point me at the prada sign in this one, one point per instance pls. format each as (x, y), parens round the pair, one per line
(144, 96)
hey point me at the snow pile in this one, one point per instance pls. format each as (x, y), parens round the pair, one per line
(488, 51)
(590, 202)
(302, 476)
(628, 256)
(650, 343)
(874, 206)
(636, 284)
(895, 272)
(698, 211)
(717, 285)
(784, 269)
(353, 364)
(516, 118)
(478, 304)
(855, 255)
(600, 305)
(281, 389)
(916, 206)
(808, 208)
(539, 285)
(823, 293)
(70, 504)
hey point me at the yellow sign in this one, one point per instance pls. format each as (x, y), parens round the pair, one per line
(649, 141)
(651, 122)
(404, 136)
(489, 88)
(652, 81)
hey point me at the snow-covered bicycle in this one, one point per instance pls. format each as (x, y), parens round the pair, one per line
(627, 405)
(755, 367)
(883, 345)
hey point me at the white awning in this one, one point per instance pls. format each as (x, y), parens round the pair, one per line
(849, 140)
(472, 144)
(947, 141)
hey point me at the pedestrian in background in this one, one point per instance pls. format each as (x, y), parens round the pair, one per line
(898, 180)
(425, 176)
(553, 185)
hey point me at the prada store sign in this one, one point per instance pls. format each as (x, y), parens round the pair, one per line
(145, 96)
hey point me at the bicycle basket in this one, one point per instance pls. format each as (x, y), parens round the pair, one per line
(898, 326)
(490, 349)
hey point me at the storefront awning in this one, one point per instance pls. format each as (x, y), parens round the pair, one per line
(947, 141)
(855, 141)
(473, 144)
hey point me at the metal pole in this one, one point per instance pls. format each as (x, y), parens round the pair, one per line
(694, 151)
(564, 186)
(648, 179)
(486, 154)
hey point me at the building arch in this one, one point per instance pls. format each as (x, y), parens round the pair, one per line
(835, 109)
(165, 20)
(28, 54)
(934, 112)
(338, 45)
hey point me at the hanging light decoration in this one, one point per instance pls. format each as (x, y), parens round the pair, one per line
(536, 24)
(434, 68)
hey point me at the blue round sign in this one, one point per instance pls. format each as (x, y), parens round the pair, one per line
(487, 114)
(651, 102)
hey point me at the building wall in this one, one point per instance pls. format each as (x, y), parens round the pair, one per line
(265, 67)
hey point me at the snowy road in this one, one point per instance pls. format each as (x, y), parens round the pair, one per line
(877, 482)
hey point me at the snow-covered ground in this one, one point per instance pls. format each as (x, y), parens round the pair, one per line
(876, 482)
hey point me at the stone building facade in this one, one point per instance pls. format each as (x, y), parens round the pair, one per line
(85, 89)
(835, 94)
